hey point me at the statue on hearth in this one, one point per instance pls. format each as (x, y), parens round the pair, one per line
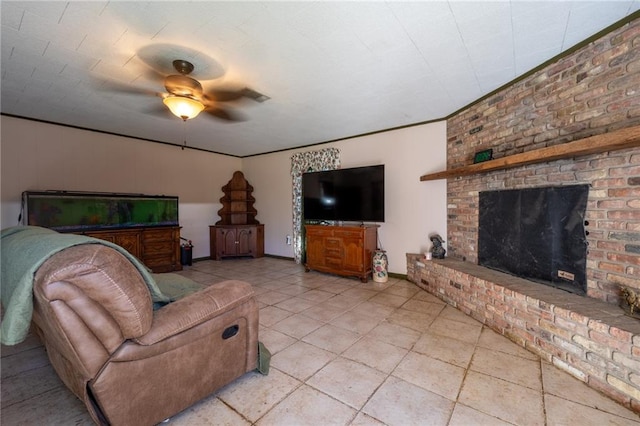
(631, 298)
(437, 251)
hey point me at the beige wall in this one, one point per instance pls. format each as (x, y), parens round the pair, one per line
(39, 156)
(413, 209)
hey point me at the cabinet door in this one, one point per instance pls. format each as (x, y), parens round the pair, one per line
(227, 246)
(130, 242)
(353, 254)
(315, 250)
(245, 241)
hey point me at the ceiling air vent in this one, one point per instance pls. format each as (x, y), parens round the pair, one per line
(256, 96)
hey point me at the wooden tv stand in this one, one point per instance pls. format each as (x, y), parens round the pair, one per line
(342, 250)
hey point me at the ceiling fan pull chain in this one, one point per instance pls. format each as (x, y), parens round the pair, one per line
(184, 132)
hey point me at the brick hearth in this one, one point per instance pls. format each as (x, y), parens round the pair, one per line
(590, 339)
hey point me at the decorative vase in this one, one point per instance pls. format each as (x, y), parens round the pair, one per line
(380, 263)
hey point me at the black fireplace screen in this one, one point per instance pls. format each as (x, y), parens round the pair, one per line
(536, 233)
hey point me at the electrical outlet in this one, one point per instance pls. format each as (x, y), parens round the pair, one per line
(288, 240)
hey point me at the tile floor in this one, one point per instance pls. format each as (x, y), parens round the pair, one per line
(344, 353)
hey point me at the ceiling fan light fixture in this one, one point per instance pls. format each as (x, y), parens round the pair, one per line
(183, 107)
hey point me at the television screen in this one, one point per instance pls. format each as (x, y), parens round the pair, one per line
(355, 194)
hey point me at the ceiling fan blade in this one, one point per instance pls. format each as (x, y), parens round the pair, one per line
(225, 114)
(224, 95)
(117, 87)
(220, 95)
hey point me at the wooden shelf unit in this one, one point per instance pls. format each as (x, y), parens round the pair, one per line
(237, 233)
(616, 140)
(237, 202)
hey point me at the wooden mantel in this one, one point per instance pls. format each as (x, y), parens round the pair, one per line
(619, 139)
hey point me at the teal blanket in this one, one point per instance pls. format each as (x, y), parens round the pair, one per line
(25, 248)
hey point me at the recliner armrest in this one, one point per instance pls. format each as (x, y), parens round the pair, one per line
(195, 309)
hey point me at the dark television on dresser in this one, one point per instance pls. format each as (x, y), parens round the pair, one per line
(351, 195)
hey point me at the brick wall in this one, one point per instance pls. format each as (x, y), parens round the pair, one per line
(588, 338)
(595, 89)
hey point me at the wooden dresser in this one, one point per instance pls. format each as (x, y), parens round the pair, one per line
(157, 247)
(342, 250)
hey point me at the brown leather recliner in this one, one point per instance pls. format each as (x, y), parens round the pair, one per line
(131, 365)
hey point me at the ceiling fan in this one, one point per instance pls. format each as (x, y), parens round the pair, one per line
(186, 98)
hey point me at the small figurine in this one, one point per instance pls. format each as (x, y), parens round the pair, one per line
(632, 299)
(437, 250)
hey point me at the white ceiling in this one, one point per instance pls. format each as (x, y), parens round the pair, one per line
(332, 69)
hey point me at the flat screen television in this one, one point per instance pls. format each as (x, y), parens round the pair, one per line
(351, 195)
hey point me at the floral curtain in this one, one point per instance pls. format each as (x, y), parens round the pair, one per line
(311, 161)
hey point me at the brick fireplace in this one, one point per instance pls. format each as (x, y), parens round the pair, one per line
(592, 91)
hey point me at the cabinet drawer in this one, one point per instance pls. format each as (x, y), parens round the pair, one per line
(333, 262)
(319, 232)
(332, 243)
(333, 252)
(343, 233)
(158, 235)
(158, 248)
